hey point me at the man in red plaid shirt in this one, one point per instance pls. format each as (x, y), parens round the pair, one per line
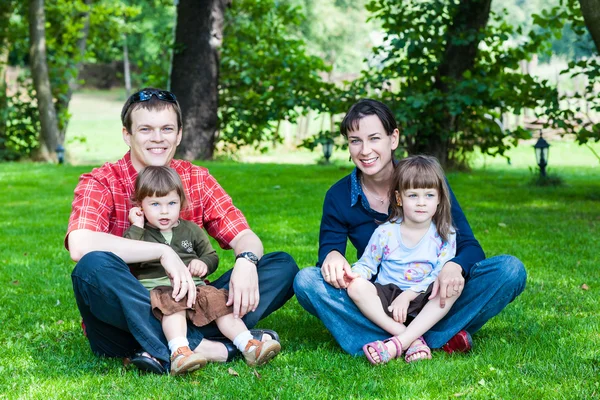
(115, 306)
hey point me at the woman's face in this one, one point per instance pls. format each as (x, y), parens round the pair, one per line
(371, 147)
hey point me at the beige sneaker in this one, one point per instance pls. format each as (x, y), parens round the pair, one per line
(185, 360)
(259, 353)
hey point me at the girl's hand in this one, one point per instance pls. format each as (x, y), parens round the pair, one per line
(198, 268)
(449, 283)
(136, 217)
(399, 307)
(336, 271)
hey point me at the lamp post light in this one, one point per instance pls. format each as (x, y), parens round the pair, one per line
(327, 145)
(542, 148)
(60, 153)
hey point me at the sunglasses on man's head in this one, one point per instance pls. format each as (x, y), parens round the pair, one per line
(145, 95)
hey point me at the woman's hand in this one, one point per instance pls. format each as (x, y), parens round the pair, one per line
(336, 271)
(136, 217)
(449, 283)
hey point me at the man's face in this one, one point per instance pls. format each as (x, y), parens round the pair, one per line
(153, 137)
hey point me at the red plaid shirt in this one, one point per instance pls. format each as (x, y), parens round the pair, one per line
(103, 200)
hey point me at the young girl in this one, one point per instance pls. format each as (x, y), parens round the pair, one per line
(407, 253)
(160, 195)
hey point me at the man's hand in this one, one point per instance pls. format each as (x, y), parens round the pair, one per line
(136, 217)
(198, 268)
(336, 271)
(180, 276)
(243, 288)
(449, 283)
(399, 307)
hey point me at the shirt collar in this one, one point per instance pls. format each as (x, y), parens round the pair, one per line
(356, 192)
(129, 174)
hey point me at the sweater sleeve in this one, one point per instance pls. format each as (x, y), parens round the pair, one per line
(204, 250)
(333, 233)
(134, 232)
(468, 249)
(368, 264)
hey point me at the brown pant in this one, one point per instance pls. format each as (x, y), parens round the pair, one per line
(388, 293)
(209, 305)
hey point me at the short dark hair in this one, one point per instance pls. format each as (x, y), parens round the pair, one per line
(364, 108)
(154, 104)
(158, 181)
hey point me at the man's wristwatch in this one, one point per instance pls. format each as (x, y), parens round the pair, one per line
(248, 255)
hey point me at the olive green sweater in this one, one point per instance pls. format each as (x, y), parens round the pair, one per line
(189, 242)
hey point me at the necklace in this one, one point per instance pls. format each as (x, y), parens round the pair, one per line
(379, 199)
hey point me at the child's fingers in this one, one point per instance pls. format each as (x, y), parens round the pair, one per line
(396, 314)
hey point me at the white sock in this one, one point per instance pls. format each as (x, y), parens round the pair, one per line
(175, 343)
(241, 340)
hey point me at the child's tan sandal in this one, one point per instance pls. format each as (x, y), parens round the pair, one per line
(259, 353)
(185, 360)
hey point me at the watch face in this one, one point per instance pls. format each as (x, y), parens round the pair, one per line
(248, 256)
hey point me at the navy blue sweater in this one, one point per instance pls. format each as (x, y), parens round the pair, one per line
(347, 215)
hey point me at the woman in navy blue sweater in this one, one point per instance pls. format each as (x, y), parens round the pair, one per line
(351, 210)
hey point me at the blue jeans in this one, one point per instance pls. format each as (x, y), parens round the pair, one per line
(490, 286)
(115, 307)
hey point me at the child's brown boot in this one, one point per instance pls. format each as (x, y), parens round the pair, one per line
(259, 353)
(185, 360)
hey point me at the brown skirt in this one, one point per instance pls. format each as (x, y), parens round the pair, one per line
(209, 305)
(388, 293)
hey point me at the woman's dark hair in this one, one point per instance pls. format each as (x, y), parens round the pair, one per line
(422, 172)
(364, 108)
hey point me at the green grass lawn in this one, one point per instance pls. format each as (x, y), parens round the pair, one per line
(544, 345)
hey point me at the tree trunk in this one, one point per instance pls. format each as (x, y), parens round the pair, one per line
(63, 102)
(591, 15)
(195, 73)
(4, 18)
(3, 97)
(459, 56)
(39, 68)
(126, 67)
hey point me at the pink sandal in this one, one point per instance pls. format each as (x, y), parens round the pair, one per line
(382, 351)
(421, 348)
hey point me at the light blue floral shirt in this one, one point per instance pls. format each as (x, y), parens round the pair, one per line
(408, 268)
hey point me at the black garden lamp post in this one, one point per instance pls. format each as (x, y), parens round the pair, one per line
(542, 148)
(327, 145)
(60, 153)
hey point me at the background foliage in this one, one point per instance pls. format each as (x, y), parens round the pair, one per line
(294, 60)
(266, 75)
